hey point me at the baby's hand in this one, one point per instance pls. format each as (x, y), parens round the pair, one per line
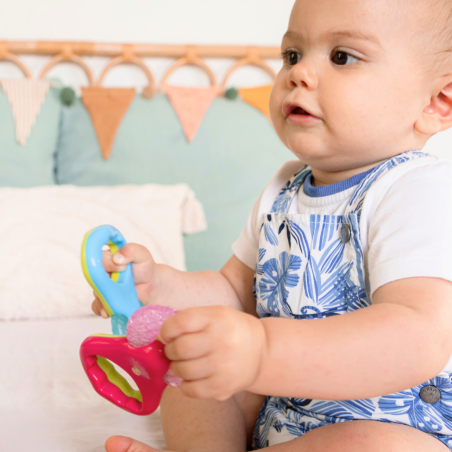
(143, 267)
(216, 350)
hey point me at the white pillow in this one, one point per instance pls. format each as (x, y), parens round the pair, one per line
(42, 229)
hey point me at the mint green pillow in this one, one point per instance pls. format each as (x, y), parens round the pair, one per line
(233, 156)
(33, 163)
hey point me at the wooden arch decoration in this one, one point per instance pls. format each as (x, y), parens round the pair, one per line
(252, 59)
(68, 56)
(129, 58)
(7, 56)
(190, 59)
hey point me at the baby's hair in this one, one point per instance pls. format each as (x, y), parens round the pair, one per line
(440, 24)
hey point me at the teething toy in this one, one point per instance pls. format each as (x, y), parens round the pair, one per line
(139, 352)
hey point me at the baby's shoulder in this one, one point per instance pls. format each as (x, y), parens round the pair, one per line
(420, 183)
(428, 173)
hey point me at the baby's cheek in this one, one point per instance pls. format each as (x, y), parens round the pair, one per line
(280, 126)
(277, 98)
(276, 101)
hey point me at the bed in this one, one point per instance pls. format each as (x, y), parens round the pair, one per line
(47, 403)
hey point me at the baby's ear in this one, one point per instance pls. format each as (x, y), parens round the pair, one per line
(437, 115)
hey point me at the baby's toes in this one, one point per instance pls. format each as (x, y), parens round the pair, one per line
(125, 444)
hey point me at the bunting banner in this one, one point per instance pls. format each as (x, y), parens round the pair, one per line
(26, 97)
(258, 97)
(107, 107)
(191, 104)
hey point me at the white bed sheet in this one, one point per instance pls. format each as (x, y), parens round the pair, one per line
(46, 401)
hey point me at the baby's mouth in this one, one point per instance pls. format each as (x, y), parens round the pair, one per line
(299, 111)
(298, 115)
(296, 110)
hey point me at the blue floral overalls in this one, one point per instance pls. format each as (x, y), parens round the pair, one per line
(311, 267)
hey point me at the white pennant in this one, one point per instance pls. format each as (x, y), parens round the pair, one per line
(26, 97)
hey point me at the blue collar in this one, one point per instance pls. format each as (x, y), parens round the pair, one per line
(328, 190)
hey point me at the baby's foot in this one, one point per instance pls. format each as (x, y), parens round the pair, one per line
(125, 444)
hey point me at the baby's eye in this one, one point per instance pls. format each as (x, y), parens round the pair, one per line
(291, 57)
(340, 58)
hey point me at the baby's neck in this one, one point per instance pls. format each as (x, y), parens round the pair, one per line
(321, 178)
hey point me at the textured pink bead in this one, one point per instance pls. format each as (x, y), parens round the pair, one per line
(172, 380)
(144, 325)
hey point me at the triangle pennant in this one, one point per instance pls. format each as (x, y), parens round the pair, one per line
(26, 97)
(107, 107)
(258, 97)
(191, 104)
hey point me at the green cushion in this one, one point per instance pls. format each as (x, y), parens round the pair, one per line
(33, 163)
(233, 156)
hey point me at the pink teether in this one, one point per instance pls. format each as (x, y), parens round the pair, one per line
(144, 325)
(146, 365)
(143, 328)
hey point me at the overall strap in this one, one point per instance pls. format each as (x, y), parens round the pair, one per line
(352, 214)
(290, 190)
(355, 204)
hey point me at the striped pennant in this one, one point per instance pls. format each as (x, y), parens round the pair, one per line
(26, 97)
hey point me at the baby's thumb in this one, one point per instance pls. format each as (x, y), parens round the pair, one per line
(132, 253)
(119, 258)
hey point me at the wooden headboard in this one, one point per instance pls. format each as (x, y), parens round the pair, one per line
(134, 53)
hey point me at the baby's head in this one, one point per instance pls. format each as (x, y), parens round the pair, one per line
(377, 74)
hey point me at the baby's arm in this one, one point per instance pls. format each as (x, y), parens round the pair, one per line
(232, 286)
(403, 339)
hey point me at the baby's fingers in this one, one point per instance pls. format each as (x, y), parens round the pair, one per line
(131, 253)
(188, 346)
(98, 308)
(195, 369)
(111, 262)
(206, 388)
(190, 320)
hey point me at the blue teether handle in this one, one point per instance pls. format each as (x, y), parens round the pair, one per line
(118, 293)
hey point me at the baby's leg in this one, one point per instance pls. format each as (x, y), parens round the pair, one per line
(208, 425)
(198, 425)
(354, 436)
(362, 436)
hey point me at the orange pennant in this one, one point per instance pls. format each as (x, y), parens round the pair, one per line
(258, 97)
(190, 104)
(107, 107)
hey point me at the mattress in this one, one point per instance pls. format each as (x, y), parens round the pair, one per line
(46, 401)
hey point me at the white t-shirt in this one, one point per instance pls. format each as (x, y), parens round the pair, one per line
(406, 220)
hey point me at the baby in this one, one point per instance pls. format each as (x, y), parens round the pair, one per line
(356, 234)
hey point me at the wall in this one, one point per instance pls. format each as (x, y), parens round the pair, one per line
(250, 22)
(242, 22)
(260, 22)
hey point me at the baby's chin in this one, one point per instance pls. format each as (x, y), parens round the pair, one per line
(317, 152)
(308, 148)
(325, 159)
(300, 140)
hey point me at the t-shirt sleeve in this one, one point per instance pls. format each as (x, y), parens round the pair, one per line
(246, 246)
(410, 234)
